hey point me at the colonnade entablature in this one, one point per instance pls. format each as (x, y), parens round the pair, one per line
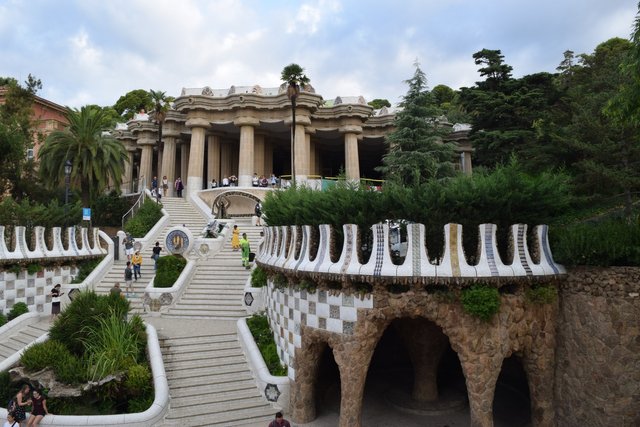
(308, 251)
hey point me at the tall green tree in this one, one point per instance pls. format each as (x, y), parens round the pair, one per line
(161, 106)
(417, 151)
(97, 157)
(16, 133)
(132, 102)
(378, 103)
(493, 68)
(294, 77)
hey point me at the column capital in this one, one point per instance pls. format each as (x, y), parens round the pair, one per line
(350, 129)
(246, 121)
(197, 122)
(300, 120)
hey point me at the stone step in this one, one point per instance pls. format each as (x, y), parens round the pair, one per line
(213, 362)
(179, 357)
(215, 396)
(187, 392)
(208, 314)
(210, 379)
(199, 347)
(226, 413)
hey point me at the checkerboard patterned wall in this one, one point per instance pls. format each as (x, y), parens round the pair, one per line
(32, 289)
(288, 310)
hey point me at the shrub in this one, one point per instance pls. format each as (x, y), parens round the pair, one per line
(33, 268)
(612, 242)
(169, 269)
(17, 309)
(147, 216)
(140, 404)
(72, 326)
(263, 336)
(111, 345)
(108, 209)
(542, 294)
(258, 277)
(3, 319)
(70, 369)
(138, 381)
(43, 354)
(481, 301)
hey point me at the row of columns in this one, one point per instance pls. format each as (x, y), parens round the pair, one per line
(253, 154)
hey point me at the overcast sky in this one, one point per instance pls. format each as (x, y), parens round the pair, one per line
(94, 51)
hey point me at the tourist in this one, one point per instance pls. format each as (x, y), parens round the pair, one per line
(128, 278)
(233, 181)
(156, 254)
(235, 238)
(258, 212)
(279, 421)
(55, 301)
(165, 185)
(225, 182)
(214, 183)
(137, 264)
(179, 186)
(246, 250)
(18, 403)
(263, 181)
(255, 181)
(38, 408)
(11, 420)
(116, 289)
(154, 184)
(128, 246)
(274, 180)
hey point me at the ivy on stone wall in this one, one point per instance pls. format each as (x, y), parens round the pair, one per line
(542, 294)
(481, 301)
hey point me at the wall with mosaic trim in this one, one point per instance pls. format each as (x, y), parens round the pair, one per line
(289, 310)
(32, 289)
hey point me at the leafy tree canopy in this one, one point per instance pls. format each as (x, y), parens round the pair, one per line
(378, 103)
(133, 102)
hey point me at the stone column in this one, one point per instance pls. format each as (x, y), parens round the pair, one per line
(303, 388)
(351, 160)
(213, 159)
(302, 154)
(258, 157)
(127, 176)
(313, 170)
(196, 155)
(481, 372)
(225, 160)
(169, 163)
(184, 161)
(466, 163)
(268, 159)
(146, 161)
(425, 344)
(246, 158)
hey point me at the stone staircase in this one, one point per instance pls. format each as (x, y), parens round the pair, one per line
(210, 383)
(180, 213)
(15, 339)
(217, 288)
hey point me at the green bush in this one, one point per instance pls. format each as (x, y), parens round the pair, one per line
(169, 269)
(258, 277)
(3, 319)
(73, 325)
(138, 381)
(614, 242)
(147, 216)
(263, 336)
(17, 309)
(85, 268)
(140, 404)
(481, 301)
(108, 209)
(33, 268)
(70, 369)
(542, 294)
(41, 355)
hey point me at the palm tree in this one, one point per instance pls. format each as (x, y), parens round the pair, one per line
(293, 75)
(161, 106)
(96, 156)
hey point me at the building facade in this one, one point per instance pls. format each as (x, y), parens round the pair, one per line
(246, 131)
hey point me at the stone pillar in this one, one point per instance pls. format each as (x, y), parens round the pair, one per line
(196, 155)
(258, 157)
(351, 160)
(268, 159)
(127, 176)
(169, 163)
(146, 162)
(184, 161)
(303, 389)
(312, 158)
(481, 372)
(302, 154)
(466, 163)
(225, 160)
(213, 159)
(425, 343)
(245, 157)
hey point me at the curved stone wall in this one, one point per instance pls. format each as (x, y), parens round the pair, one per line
(598, 354)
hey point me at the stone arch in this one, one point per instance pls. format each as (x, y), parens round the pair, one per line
(234, 203)
(511, 401)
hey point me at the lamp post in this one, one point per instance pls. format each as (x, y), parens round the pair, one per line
(68, 166)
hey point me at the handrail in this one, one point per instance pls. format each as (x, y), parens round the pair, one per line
(138, 203)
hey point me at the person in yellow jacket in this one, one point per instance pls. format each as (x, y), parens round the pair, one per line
(235, 238)
(136, 260)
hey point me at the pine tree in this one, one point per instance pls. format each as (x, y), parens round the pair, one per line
(417, 152)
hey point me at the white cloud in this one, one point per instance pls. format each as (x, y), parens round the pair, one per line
(310, 17)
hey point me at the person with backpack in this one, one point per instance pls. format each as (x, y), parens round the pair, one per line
(279, 421)
(179, 186)
(258, 212)
(128, 278)
(18, 403)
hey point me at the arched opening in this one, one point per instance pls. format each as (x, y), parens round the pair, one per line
(512, 402)
(327, 387)
(415, 374)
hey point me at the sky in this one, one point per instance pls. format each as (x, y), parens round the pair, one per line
(94, 51)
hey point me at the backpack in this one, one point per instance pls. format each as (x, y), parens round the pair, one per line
(11, 405)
